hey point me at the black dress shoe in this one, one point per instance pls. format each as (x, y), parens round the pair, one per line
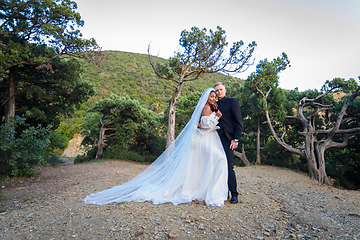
(234, 200)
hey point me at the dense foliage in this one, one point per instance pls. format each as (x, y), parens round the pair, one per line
(40, 45)
(48, 96)
(22, 145)
(127, 127)
(342, 163)
(32, 34)
(262, 87)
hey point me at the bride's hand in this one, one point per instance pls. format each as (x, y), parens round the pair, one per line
(218, 114)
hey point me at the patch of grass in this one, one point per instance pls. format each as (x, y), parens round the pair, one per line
(54, 160)
(130, 155)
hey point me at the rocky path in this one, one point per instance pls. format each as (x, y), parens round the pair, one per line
(276, 204)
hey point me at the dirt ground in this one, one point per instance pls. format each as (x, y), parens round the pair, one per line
(275, 203)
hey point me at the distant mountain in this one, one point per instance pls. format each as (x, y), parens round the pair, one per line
(125, 73)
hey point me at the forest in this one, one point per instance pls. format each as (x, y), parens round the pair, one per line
(121, 101)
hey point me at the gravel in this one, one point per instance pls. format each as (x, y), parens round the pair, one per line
(276, 203)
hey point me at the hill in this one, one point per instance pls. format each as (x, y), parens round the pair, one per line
(125, 73)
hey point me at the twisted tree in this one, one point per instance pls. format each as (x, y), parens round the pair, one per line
(118, 122)
(202, 54)
(317, 140)
(103, 137)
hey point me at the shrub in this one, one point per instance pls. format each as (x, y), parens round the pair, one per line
(22, 145)
(90, 155)
(120, 153)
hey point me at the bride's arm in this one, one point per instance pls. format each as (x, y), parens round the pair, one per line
(209, 122)
(208, 119)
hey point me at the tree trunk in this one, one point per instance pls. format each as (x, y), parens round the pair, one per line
(322, 176)
(242, 156)
(170, 137)
(258, 159)
(101, 143)
(10, 105)
(315, 156)
(309, 152)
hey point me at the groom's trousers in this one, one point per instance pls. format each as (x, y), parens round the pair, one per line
(230, 156)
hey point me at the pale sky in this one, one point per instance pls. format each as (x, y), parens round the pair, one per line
(320, 37)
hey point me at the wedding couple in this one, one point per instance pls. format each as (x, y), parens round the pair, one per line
(198, 165)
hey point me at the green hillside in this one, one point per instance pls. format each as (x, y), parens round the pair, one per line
(125, 73)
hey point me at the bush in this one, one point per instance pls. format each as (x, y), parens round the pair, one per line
(116, 153)
(21, 148)
(119, 153)
(90, 155)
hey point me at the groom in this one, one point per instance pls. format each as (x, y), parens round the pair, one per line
(230, 132)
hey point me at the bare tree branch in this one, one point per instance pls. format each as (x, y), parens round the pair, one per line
(352, 130)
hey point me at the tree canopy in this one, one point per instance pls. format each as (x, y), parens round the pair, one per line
(256, 92)
(40, 50)
(32, 34)
(120, 124)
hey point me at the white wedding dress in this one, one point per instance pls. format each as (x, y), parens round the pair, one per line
(193, 167)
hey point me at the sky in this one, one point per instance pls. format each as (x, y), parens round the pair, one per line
(320, 37)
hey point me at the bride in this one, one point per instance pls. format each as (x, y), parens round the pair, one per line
(193, 167)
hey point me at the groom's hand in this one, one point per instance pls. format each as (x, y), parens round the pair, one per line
(233, 145)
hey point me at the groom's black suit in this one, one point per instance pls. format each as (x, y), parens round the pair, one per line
(230, 129)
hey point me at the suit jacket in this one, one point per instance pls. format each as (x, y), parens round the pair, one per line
(231, 121)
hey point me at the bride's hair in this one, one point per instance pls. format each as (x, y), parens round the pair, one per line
(212, 107)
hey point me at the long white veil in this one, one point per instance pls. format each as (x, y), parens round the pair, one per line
(164, 178)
